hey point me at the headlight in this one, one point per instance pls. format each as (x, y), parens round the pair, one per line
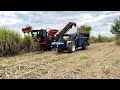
(69, 41)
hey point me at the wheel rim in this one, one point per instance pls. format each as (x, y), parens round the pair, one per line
(73, 48)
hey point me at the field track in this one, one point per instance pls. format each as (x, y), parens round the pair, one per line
(101, 60)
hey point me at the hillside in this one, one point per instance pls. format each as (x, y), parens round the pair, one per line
(101, 60)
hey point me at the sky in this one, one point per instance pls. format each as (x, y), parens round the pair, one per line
(100, 21)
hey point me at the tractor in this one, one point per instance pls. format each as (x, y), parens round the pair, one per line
(41, 36)
(71, 42)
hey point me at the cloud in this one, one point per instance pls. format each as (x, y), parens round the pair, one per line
(99, 20)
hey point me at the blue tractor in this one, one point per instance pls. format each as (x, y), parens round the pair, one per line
(70, 42)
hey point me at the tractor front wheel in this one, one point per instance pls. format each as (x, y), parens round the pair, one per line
(60, 49)
(50, 48)
(71, 47)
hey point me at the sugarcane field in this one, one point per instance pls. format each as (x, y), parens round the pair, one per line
(81, 46)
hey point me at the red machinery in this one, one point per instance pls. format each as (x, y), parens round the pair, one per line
(27, 29)
(41, 36)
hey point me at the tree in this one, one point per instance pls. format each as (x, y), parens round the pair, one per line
(115, 28)
(84, 28)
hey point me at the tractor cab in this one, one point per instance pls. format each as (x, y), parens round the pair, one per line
(65, 38)
(39, 34)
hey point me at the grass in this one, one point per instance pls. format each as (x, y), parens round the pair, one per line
(84, 57)
(101, 39)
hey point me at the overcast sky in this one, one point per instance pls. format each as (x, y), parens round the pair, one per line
(100, 21)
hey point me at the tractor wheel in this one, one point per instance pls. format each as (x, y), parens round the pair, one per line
(50, 48)
(60, 49)
(71, 47)
(84, 45)
(49, 45)
(44, 48)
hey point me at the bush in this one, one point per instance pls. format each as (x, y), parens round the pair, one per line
(93, 39)
(101, 39)
(117, 39)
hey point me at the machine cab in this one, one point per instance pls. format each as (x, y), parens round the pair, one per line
(39, 34)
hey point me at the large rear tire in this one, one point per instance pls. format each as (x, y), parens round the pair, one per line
(71, 47)
(49, 47)
(84, 45)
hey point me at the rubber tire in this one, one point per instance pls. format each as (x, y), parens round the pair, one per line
(70, 47)
(60, 49)
(84, 45)
(44, 48)
(50, 48)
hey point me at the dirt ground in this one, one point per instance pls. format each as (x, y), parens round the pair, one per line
(100, 61)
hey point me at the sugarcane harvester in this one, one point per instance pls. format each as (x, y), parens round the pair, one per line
(70, 42)
(41, 36)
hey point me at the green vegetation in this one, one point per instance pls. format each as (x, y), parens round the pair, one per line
(28, 43)
(11, 43)
(84, 29)
(115, 29)
(84, 57)
(117, 39)
(100, 39)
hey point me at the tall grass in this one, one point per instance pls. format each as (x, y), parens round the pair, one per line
(11, 43)
(100, 39)
(28, 44)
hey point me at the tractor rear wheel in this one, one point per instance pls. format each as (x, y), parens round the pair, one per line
(71, 47)
(49, 47)
(84, 45)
